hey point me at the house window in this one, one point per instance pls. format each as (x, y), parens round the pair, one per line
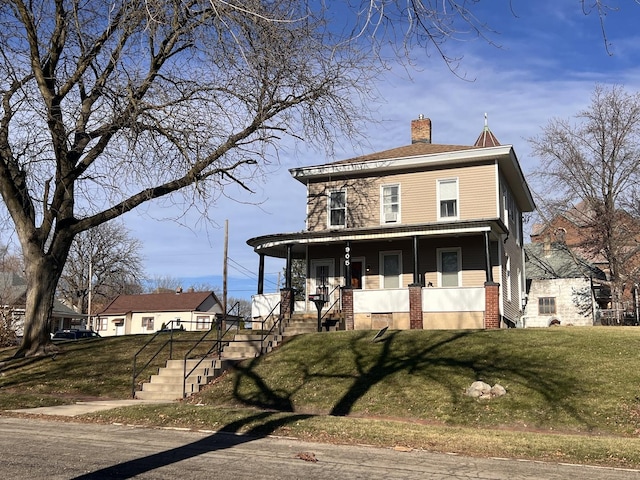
(390, 204)
(449, 269)
(448, 199)
(102, 324)
(203, 322)
(547, 306)
(147, 323)
(391, 263)
(337, 208)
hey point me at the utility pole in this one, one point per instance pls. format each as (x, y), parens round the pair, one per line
(89, 322)
(224, 268)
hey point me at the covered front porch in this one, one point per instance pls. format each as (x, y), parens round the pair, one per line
(390, 277)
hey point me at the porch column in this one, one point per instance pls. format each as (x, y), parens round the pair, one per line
(286, 302)
(261, 275)
(487, 258)
(347, 308)
(415, 307)
(347, 264)
(491, 305)
(287, 275)
(416, 263)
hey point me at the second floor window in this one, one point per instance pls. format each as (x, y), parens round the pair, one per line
(390, 204)
(337, 208)
(448, 199)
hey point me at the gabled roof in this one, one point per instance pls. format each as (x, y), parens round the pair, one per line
(158, 302)
(13, 288)
(556, 260)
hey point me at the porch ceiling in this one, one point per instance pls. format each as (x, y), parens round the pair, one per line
(276, 245)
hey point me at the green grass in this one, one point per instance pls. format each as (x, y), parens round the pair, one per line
(96, 368)
(572, 393)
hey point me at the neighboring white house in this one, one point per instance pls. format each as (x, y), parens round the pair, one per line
(148, 313)
(13, 294)
(560, 287)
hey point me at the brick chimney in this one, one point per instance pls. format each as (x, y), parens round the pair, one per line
(421, 130)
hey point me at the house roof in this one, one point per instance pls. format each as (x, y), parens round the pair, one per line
(429, 155)
(556, 260)
(158, 302)
(276, 245)
(13, 288)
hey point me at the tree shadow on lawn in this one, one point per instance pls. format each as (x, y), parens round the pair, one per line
(434, 361)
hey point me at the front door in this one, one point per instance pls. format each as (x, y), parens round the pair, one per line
(322, 277)
(356, 273)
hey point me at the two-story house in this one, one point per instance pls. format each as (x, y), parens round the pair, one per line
(419, 236)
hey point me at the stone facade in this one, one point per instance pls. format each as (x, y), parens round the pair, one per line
(572, 300)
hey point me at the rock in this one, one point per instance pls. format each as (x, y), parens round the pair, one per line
(478, 389)
(498, 390)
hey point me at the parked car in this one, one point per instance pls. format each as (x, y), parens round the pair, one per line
(74, 334)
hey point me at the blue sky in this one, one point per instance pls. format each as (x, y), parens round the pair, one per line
(548, 59)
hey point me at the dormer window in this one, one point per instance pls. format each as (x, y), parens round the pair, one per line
(390, 204)
(337, 208)
(448, 199)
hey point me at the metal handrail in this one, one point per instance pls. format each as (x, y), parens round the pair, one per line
(277, 321)
(217, 344)
(333, 304)
(134, 375)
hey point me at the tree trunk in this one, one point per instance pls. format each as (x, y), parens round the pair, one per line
(42, 279)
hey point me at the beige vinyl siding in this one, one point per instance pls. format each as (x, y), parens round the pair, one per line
(511, 309)
(418, 196)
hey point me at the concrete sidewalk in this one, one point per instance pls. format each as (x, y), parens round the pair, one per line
(80, 408)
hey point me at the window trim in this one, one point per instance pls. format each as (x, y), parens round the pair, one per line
(330, 209)
(439, 252)
(545, 304)
(203, 322)
(439, 183)
(145, 324)
(382, 275)
(383, 220)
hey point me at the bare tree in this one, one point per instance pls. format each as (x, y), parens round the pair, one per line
(111, 257)
(108, 104)
(596, 160)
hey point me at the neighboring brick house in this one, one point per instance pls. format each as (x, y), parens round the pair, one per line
(148, 313)
(420, 236)
(562, 288)
(579, 229)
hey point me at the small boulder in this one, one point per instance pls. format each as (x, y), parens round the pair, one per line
(498, 390)
(478, 389)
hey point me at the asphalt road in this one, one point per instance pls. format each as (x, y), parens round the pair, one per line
(36, 448)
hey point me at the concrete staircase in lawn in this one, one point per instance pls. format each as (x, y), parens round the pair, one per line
(168, 383)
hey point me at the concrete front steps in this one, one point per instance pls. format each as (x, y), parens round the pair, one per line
(248, 345)
(301, 323)
(168, 383)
